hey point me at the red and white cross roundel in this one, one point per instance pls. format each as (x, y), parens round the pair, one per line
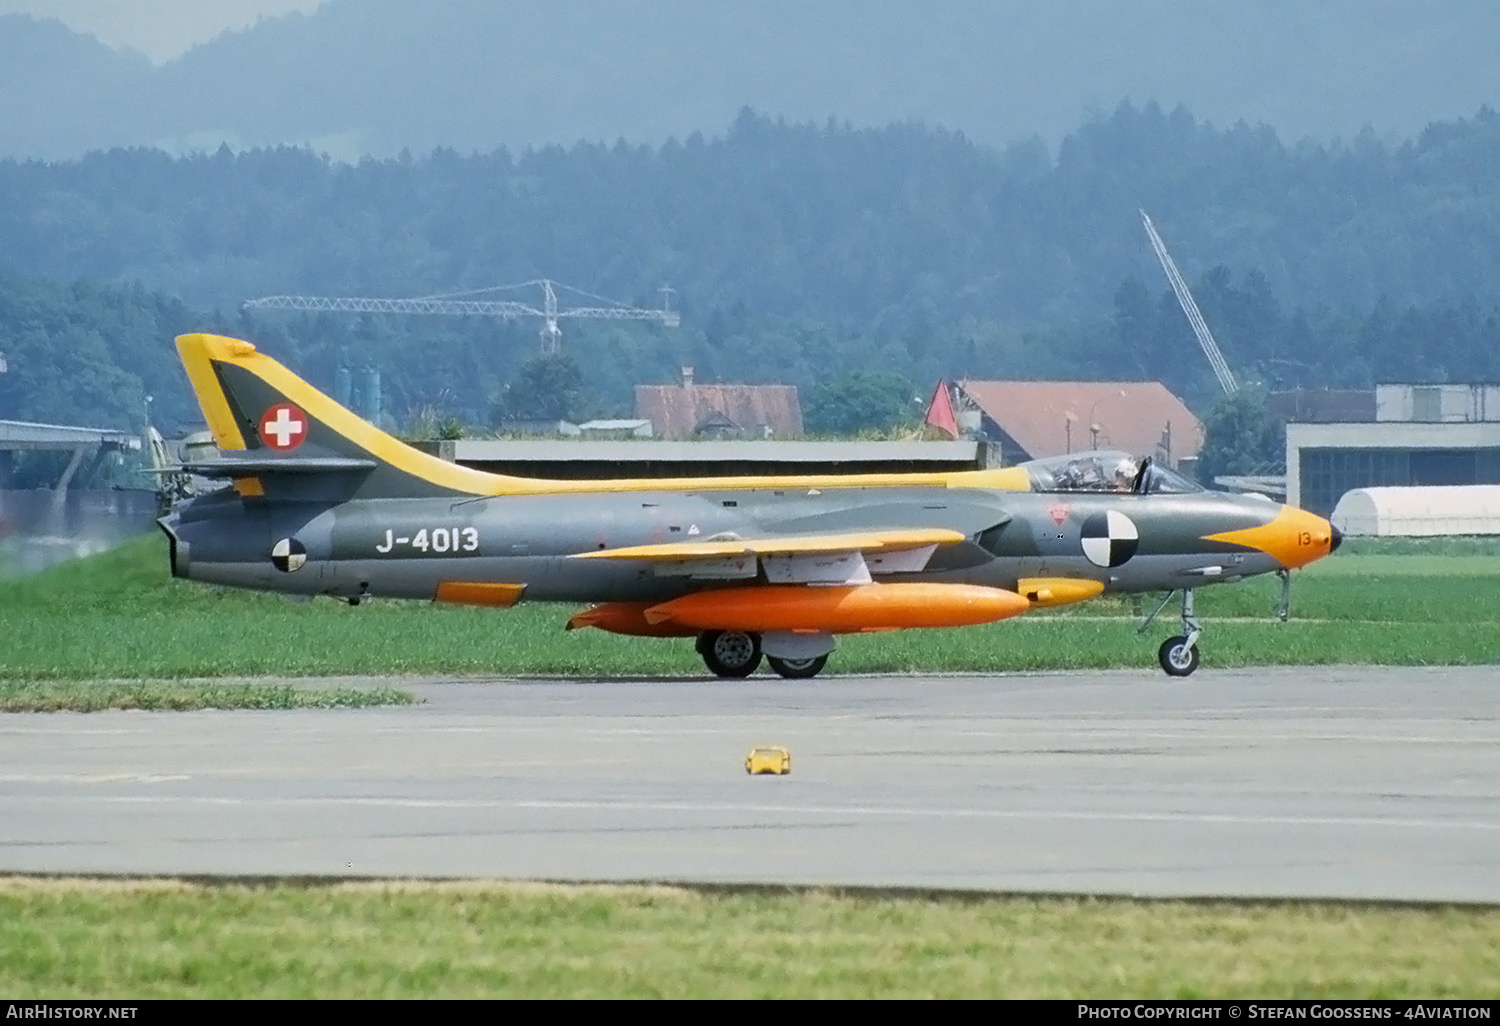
(283, 427)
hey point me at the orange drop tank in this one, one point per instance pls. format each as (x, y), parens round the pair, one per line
(838, 610)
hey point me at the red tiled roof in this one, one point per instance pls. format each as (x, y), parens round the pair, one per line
(1131, 415)
(676, 411)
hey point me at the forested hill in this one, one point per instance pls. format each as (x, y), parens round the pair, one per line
(874, 229)
(799, 253)
(373, 76)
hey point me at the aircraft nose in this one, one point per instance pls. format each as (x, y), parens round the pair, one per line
(1301, 537)
(1336, 541)
(1293, 537)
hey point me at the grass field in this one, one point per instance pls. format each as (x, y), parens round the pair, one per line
(124, 939)
(115, 630)
(119, 616)
(56, 696)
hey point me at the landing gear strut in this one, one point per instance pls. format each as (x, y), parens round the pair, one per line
(730, 653)
(1179, 655)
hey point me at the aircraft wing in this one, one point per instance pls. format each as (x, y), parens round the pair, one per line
(858, 540)
(844, 558)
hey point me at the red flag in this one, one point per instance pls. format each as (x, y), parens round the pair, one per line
(940, 411)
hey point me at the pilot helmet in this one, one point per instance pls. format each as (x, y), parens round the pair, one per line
(1125, 471)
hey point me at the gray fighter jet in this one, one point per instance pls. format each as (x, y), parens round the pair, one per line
(324, 503)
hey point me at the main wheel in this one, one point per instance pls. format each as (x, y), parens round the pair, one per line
(1176, 658)
(730, 653)
(798, 669)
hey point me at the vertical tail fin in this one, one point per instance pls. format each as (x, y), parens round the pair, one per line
(278, 429)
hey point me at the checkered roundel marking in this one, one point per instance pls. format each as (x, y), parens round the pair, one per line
(1109, 538)
(288, 555)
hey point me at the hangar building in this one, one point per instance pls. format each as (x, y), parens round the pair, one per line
(1413, 435)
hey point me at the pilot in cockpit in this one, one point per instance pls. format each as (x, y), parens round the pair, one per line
(1107, 472)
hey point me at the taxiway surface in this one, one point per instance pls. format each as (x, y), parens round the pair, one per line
(1330, 782)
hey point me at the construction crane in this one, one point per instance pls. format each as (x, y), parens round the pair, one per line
(1189, 307)
(465, 303)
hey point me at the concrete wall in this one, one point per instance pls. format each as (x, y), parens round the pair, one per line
(117, 512)
(1437, 403)
(33, 535)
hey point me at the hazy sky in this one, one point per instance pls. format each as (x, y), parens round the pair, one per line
(161, 29)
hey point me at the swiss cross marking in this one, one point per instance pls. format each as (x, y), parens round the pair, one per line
(283, 427)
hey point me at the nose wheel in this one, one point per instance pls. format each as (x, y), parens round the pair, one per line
(1179, 655)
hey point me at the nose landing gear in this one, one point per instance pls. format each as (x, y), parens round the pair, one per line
(1179, 655)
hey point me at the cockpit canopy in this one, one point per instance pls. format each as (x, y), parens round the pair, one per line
(1106, 471)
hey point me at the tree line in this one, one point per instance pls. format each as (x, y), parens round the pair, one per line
(876, 230)
(91, 353)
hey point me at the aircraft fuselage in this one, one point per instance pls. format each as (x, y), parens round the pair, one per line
(405, 548)
(324, 503)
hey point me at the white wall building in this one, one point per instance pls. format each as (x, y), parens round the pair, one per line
(1411, 512)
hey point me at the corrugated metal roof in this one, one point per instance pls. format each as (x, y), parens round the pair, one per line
(613, 425)
(1049, 418)
(678, 411)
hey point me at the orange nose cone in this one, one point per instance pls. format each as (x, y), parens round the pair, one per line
(1293, 537)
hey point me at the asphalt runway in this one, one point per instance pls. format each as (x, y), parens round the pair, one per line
(1350, 782)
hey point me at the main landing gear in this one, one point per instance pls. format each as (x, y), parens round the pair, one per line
(738, 654)
(798, 669)
(730, 653)
(1179, 655)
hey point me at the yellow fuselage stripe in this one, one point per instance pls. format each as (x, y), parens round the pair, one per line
(200, 351)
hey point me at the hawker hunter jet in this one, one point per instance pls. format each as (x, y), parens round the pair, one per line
(323, 503)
